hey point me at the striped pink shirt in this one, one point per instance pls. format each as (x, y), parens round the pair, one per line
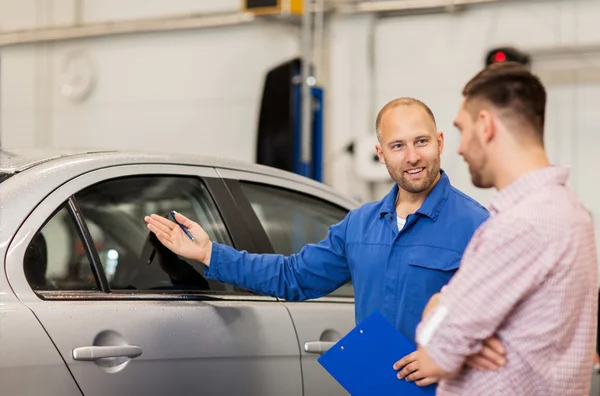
(528, 277)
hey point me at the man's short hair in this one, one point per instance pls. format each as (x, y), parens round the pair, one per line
(510, 87)
(405, 101)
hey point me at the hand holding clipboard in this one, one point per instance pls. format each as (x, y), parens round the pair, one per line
(362, 361)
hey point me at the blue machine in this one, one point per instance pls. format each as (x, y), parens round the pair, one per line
(314, 169)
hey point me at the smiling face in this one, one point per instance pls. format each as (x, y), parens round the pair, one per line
(410, 147)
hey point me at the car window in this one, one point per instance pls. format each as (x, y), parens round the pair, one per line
(293, 220)
(114, 212)
(55, 258)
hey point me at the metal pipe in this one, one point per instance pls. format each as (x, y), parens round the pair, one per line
(125, 27)
(412, 5)
(306, 48)
(319, 37)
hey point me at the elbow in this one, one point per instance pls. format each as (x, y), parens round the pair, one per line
(290, 292)
(431, 305)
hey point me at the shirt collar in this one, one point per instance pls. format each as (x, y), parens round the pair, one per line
(526, 184)
(432, 205)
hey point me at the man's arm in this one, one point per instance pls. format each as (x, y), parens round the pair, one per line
(314, 272)
(419, 367)
(431, 304)
(496, 274)
(427, 367)
(415, 366)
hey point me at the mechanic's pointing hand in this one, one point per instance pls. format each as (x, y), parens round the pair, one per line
(173, 237)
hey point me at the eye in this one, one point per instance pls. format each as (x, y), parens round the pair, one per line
(422, 142)
(396, 146)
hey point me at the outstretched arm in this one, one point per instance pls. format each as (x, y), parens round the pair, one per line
(316, 271)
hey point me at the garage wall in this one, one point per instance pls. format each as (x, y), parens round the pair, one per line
(191, 91)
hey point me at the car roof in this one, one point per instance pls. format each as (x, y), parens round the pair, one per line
(18, 160)
(15, 161)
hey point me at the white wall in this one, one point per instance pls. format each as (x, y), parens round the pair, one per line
(25, 14)
(187, 91)
(350, 94)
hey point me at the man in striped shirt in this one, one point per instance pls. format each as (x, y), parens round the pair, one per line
(529, 274)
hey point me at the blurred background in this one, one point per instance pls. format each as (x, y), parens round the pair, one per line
(226, 78)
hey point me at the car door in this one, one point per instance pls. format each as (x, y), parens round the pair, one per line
(126, 325)
(290, 219)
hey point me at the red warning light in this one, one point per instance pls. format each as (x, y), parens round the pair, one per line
(499, 57)
(506, 54)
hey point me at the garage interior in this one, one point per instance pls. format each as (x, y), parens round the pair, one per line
(232, 79)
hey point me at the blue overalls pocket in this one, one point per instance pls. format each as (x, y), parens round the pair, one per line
(429, 269)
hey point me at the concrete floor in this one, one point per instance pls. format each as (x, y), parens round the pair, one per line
(595, 385)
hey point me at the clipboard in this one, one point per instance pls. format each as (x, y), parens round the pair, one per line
(362, 361)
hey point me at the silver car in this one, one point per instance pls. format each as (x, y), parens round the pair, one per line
(84, 311)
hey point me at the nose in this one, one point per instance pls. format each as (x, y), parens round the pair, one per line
(413, 156)
(460, 150)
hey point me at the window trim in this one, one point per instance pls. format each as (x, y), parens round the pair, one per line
(261, 237)
(88, 244)
(293, 183)
(229, 210)
(134, 295)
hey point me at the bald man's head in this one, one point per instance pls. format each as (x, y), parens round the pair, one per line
(405, 101)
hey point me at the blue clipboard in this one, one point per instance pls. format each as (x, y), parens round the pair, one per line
(362, 361)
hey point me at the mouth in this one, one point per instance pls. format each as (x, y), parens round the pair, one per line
(415, 171)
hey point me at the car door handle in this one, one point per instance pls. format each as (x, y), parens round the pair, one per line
(101, 352)
(317, 346)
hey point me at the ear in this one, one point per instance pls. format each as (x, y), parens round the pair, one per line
(440, 141)
(380, 153)
(487, 130)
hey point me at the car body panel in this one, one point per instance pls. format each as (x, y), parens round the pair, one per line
(185, 344)
(208, 347)
(29, 362)
(322, 320)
